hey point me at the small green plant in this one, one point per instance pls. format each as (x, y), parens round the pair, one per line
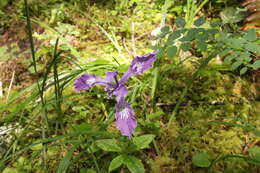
(125, 148)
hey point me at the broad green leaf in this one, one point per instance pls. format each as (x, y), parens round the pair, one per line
(133, 164)
(108, 145)
(116, 163)
(243, 70)
(198, 22)
(201, 160)
(236, 64)
(165, 29)
(256, 65)
(171, 51)
(255, 152)
(143, 141)
(185, 46)
(180, 22)
(64, 164)
(251, 35)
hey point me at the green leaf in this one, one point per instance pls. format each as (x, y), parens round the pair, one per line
(133, 164)
(185, 46)
(236, 43)
(143, 141)
(180, 22)
(191, 35)
(231, 15)
(201, 160)
(165, 29)
(154, 115)
(199, 21)
(3, 3)
(171, 51)
(250, 35)
(245, 56)
(202, 46)
(256, 65)
(174, 35)
(215, 24)
(64, 164)
(84, 127)
(252, 47)
(255, 152)
(243, 70)
(116, 163)
(236, 64)
(108, 145)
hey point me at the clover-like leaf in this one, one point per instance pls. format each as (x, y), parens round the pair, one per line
(199, 21)
(180, 22)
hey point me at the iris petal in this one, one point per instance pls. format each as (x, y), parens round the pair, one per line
(125, 120)
(139, 65)
(87, 81)
(120, 92)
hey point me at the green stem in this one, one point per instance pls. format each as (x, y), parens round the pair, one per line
(94, 158)
(44, 115)
(188, 86)
(57, 88)
(154, 85)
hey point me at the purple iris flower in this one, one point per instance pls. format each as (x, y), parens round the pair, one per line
(125, 116)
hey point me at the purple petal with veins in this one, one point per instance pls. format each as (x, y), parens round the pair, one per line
(125, 119)
(87, 81)
(139, 65)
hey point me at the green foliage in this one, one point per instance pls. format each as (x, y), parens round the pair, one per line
(125, 148)
(108, 145)
(232, 15)
(201, 160)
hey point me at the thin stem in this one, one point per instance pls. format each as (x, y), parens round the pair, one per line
(94, 159)
(44, 115)
(10, 87)
(57, 88)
